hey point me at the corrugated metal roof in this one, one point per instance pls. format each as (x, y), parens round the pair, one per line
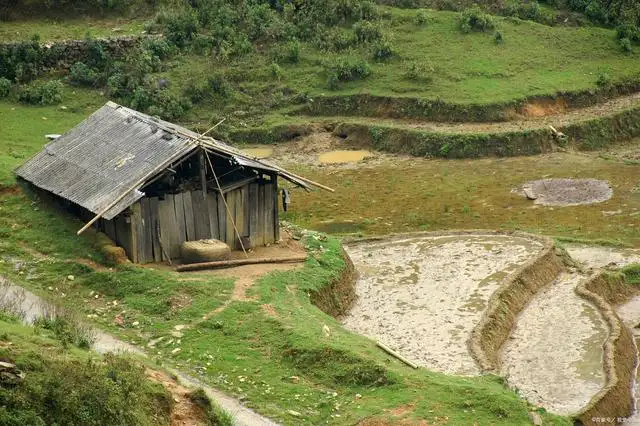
(102, 158)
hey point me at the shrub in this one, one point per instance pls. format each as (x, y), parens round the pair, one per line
(475, 19)
(498, 38)
(382, 50)
(159, 48)
(421, 18)
(275, 70)
(417, 71)
(628, 31)
(180, 27)
(367, 32)
(289, 52)
(219, 85)
(625, 45)
(66, 328)
(49, 93)
(83, 75)
(347, 70)
(5, 87)
(603, 80)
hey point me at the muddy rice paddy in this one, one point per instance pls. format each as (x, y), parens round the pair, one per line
(567, 192)
(423, 295)
(553, 356)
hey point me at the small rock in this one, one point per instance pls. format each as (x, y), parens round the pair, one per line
(177, 334)
(326, 330)
(118, 320)
(294, 413)
(175, 351)
(50, 288)
(71, 277)
(358, 396)
(179, 327)
(295, 379)
(135, 323)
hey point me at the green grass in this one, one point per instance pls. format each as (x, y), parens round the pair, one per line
(467, 68)
(64, 385)
(69, 29)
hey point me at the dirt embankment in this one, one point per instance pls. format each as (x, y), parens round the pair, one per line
(620, 353)
(337, 298)
(508, 301)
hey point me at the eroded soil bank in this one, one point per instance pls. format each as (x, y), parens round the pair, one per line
(423, 295)
(554, 354)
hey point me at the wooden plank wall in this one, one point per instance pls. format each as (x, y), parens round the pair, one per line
(162, 225)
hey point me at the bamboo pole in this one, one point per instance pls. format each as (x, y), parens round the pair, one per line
(239, 262)
(302, 178)
(226, 206)
(137, 184)
(391, 352)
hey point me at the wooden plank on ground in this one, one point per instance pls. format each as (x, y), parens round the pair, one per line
(154, 228)
(148, 230)
(222, 218)
(200, 217)
(188, 216)
(254, 230)
(178, 204)
(212, 212)
(268, 214)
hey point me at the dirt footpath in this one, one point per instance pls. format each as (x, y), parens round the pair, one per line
(422, 296)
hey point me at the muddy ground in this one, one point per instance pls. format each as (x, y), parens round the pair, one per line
(553, 356)
(422, 296)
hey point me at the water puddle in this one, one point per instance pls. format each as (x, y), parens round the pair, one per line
(553, 356)
(258, 152)
(339, 157)
(422, 296)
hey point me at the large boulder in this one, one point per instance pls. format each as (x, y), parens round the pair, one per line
(204, 251)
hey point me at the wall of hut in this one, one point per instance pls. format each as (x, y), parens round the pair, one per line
(154, 228)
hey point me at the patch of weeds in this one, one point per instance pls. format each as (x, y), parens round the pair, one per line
(474, 19)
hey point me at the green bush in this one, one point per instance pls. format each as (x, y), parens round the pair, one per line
(382, 50)
(66, 329)
(180, 27)
(628, 31)
(417, 71)
(83, 75)
(60, 392)
(288, 52)
(49, 93)
(275, 71)
(422, 18)
(498, 38)
(5, 87)
(219, 85)
(367, 32)
(475, 19)
(347, 70)
(625, 45)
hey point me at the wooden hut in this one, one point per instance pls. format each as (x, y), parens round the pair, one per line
(151, 185)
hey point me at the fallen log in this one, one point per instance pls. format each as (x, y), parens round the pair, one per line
(239, 262)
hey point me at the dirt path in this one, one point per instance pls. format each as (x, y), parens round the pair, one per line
(422, 296)
(518, 124)
(554, 354)
(34, 306)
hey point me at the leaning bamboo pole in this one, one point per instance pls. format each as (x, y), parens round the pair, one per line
(224, 200)
(239, 262)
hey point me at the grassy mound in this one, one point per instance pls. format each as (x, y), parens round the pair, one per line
(68, 386)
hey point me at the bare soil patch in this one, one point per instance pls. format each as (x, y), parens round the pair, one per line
(567, 192)
(184, 411)
(599, 257)
(422, 296)
(554, 354)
